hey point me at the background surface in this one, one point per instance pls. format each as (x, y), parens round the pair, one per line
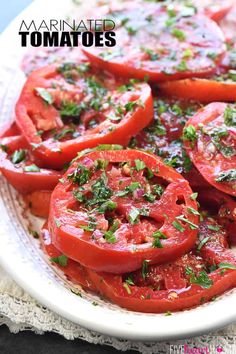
(28, 342)
(10, 9)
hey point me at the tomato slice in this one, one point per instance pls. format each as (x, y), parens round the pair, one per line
(36, 58)
(222, 207)
(8, 130)
(163, 135)
(38, 202)
(216, 9)
(113, 209)
(210, 140)
(160, 41)
(73, 270)
(64, 109)
(203, 90)
(20, 170)
(193, 279)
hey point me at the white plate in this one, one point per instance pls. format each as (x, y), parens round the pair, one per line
(21, 256)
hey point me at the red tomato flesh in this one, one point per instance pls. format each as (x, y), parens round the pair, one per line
(114, 209)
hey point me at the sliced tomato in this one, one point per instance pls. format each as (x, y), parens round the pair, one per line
(64, 109)
(73, 270)
(20, 169)
(160, 41)
(210, 140)
(196, 181)
(163, 135)
(190, 281)
(114, 209)
(229, 60)
(36, 58)
(39, 202)
(203, 90)
(9, 129)
(216, 9)
(12, 143)
(222, 207)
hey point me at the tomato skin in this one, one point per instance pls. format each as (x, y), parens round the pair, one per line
(39, 202)
(121, 135)
(12, 143)
(73, 270)
(8, 130)
(27, 182)
(177, 296)
(54, 154)
(215, 251)
(130, 58)
(219, 13)
(36, 58)
(196, 180)
(223, 207)
(118, 258)
(128, 72)
(203, 90)
(187, 299)
(211, 168)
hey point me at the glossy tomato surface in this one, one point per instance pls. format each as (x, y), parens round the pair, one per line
(210, 140)
(65, 108)
(114, 209)
(161, 41)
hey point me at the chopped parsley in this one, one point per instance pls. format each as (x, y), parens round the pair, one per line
(71, 109)
(107, 205)
(226, 176)
(131, 30)
(202, 279)
(139, 165)
(127, 288)
(31, 168)
(128, 189)
(101, 192)
(152, 55)
(192, 225)
(4, 147)
(144, 270)
(194, 196)
(203, 242)
(158, 190)
(178, 226)
(110, 234)
(57, 222)
(226, 266)
(129, 280)
(134, 216)
(61, 260)
(230, 116)
(176, 32)
(130, 106)
(101, 164)
(189, 133)
(192, 211)
(182, 66)
(213, 227)
(63, 133)
(80, 175)
(44, 94)
(158, 235)
(18, 156)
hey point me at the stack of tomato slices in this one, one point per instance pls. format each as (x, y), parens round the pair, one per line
(135, 175)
